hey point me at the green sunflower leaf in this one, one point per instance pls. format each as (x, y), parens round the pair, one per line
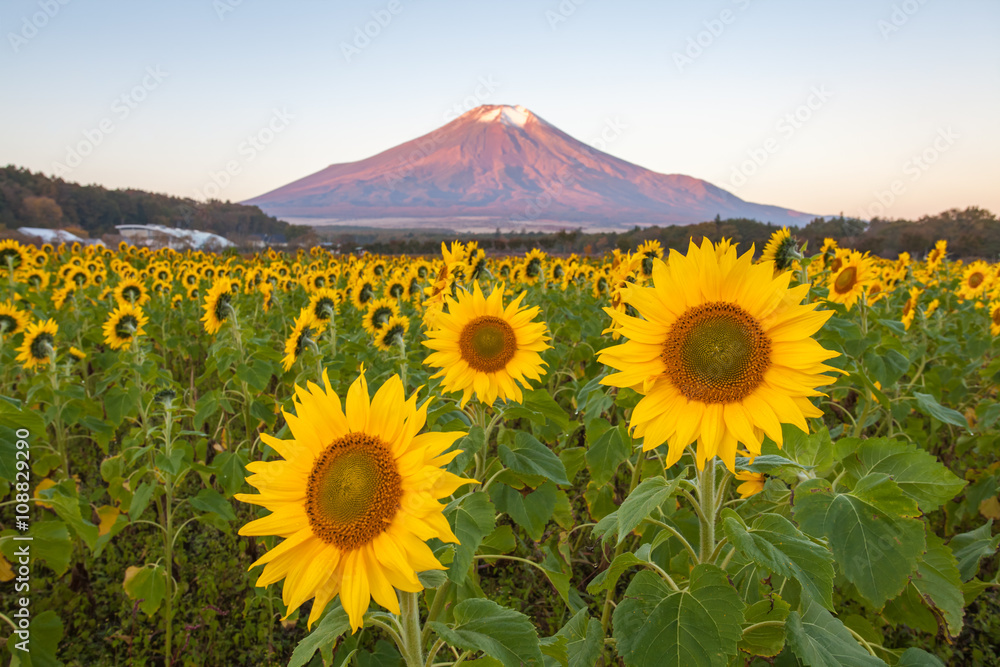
(503, 634)
(656, 626)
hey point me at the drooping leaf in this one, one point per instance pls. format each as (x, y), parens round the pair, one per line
(971, 547)
(471, 518)
(646, 497)
(608, 448)
(530, 457)
(775, 544)
(210, 500)
(147, 583)
(482, 625)
(872, 533)
(584, 640)
(656, 626)
(333, 624)
(531, 511)
(929, 405)
(765, 640)
(938, 581)
(916, 472)
(819, 639)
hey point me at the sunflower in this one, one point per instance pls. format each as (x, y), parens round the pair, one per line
(323, 303)
(77, 353)
(484, 348)
(649, 251)
(378, 313)
(723, 354)
(849, 281)
(307, 328)
(37, 279)
(13, 255)
(994, 310)
(392, 332)
(395, 288)
(38, 343)
(910, 307)
(975, 280)
(124, 325)
(61, 294)
(12, 320)
(217, 304)
(782, 250)
(131, 290)
(356, 496)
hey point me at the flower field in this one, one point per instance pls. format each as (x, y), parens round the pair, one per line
(703, 457)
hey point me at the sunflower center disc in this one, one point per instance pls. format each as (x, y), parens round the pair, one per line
(975, 280)
(487, 343)
(845, 281)
(353, 492)
(716, 353)
(127, 325)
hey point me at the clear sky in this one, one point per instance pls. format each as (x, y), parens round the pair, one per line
(868, 107)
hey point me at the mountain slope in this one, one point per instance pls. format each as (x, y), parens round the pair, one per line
(506, 163)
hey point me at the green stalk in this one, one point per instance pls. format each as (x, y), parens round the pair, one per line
(412, 639)
(168, 536)
(706, 498)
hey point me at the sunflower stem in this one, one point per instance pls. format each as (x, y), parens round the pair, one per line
(412, 638)
(706, 498)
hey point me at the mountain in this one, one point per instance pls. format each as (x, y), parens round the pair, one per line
(503, 166)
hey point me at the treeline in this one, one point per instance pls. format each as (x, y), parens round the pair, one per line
(34, 200)
(971, 233)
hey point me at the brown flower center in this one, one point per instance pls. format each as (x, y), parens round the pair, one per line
(487, 343)
(354, 491)
(846, 279)
(716, 353)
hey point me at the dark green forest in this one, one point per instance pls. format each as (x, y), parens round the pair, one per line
(35, 200)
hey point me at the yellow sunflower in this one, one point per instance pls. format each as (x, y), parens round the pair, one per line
(124, 325)
(307, 328)
(485, 348)
(782, 250)
(722, 351)
(378, 313)
(217, 304)
(38, 345)
(753, 482)
(77, 353)
(975, 280)
(13, 255)
(392, 332)
(356, 496)
(12, 319)
(910, 307)
(323, 303)
(994, 318)
(131, 290)
(849, 281)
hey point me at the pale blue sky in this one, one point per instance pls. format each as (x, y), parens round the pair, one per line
(887, 80)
